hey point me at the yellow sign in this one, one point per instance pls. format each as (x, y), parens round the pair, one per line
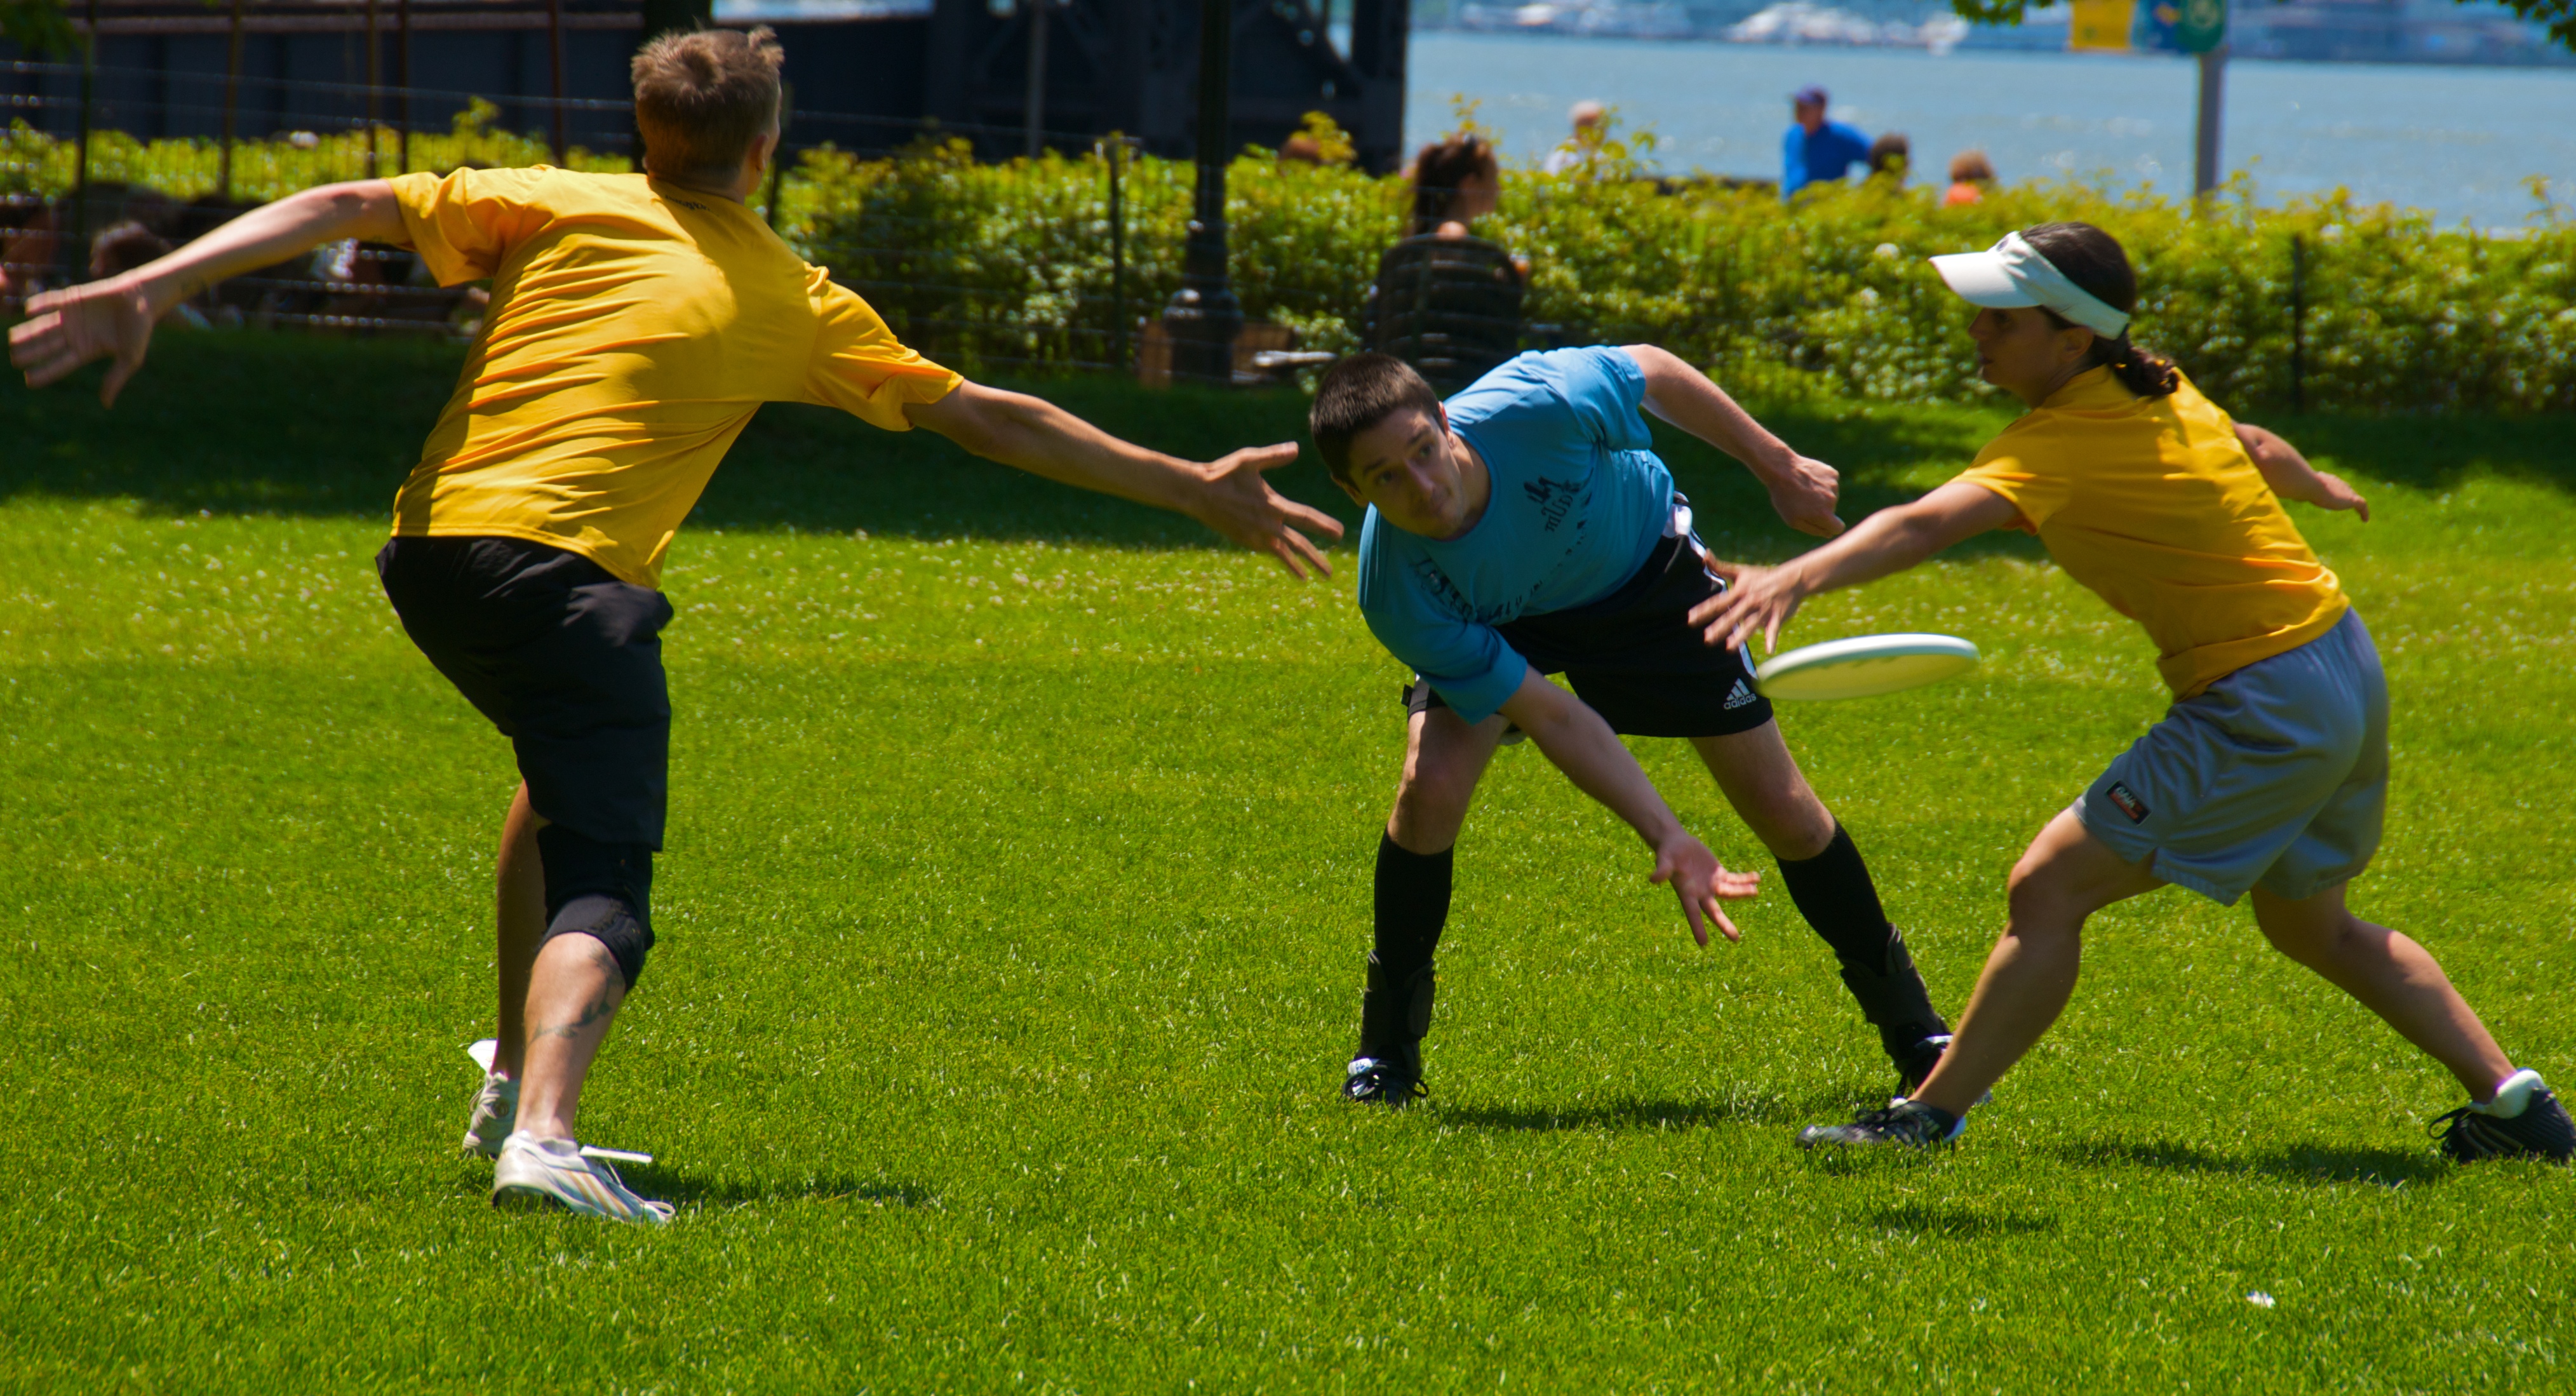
(2101, 25)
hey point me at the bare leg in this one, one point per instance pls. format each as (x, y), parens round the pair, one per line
(2392, 976)
(519, 879)
(1770, 794)
(572, 998)
(1444, 757)
(2064, 877)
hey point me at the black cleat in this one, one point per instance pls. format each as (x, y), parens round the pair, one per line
(1906, 1123)
(1382, 1081)
(1915, 1063)
(1914, 1066)
(2523, 1121)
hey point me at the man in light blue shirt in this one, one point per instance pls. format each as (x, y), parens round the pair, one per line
(1815, 150)
(1527, 528)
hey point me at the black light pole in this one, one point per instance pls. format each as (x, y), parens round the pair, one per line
(1204, 316)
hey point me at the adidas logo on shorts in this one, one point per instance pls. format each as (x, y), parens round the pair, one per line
(1739, 695)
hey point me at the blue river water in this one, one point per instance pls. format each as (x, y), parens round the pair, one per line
(2462, 142)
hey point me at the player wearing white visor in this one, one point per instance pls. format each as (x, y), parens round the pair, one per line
(2268, 776)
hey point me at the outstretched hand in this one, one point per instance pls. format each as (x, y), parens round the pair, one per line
(2334, 492)
(1804, 496)
(1756, 599)
(77, 325)
(1241, 505)
(1701, 882)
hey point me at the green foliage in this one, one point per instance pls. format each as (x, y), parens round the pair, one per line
(31, 161)
(2559, 15)
(39, 28)
(1010, 261)
(1011, 266)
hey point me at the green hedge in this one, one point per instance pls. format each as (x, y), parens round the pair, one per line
(1010, 264)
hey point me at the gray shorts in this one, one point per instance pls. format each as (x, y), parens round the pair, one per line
(2275, 776)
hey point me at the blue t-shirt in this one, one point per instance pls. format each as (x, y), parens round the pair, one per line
(1579, 501)
(1829, 154)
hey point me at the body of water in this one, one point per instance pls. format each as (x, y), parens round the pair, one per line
(2459, 141)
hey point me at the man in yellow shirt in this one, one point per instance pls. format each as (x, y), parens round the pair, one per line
(637, 322)
(2269, 775)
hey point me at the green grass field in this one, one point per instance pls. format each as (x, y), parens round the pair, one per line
(1011, 934)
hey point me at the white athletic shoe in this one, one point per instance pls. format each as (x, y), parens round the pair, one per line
(496, 1113)
(536, 1173)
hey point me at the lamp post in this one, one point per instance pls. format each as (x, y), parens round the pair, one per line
(2201, 30)
(1204, 317)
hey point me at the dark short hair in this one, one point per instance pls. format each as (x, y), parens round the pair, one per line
(1357, 394)
(702, 98)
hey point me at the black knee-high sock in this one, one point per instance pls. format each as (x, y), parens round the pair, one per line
(1412, 905)
(1834, 892)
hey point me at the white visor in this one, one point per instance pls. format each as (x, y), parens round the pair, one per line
(2012, 274)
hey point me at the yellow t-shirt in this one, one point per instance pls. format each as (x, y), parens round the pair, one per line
(2153, 503)
(635, 327)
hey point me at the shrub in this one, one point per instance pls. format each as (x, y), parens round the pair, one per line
(1010, 265)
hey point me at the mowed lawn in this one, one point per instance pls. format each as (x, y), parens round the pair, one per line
(1012, 925)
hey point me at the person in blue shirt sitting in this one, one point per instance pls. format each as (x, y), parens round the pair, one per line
(1525, 528)
(1817, 151)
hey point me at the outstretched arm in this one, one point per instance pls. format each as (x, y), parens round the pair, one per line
(2291, 477)
(1759, 600)
(114, 316)
(1802, 490)
(1229, 495)
(1580, 744)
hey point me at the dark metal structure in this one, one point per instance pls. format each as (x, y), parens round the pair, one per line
(187, 68)
(1132, 66)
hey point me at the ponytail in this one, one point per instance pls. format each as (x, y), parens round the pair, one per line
(2142, 371)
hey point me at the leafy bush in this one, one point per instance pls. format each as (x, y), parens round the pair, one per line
(1011, 264)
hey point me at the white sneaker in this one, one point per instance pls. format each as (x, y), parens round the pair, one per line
(496, 1113)
(534, 1173)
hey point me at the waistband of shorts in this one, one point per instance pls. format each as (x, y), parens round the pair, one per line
(1659, 560)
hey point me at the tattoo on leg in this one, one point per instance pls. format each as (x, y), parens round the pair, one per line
(599, 1008)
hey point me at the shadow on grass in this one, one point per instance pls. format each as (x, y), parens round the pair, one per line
(1958, 1223)
(272, 424)
(685, 1189)
(1620, 1116)
(2297, 1163)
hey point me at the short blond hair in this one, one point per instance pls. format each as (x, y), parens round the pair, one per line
(702, 98)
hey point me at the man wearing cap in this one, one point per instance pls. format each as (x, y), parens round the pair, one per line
(1816, 150)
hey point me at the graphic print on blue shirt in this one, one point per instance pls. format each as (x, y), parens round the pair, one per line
(1578, 500)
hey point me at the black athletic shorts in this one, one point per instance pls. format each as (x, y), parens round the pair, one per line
(564, 658)
(1634, 657)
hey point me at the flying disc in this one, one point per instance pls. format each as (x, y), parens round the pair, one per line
(1863, 666)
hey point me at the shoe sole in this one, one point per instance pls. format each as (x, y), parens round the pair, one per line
(526, 1199)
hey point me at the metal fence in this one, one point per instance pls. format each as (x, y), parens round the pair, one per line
(99, 225)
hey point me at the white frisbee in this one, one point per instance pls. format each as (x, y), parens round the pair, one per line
(1863, 666)
(482, 1052)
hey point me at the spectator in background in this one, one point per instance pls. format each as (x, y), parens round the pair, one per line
(1455, 182)
(1445, 300)
(1890, 155)
(1969, 176)
(1815, 150)
(1586, 141)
